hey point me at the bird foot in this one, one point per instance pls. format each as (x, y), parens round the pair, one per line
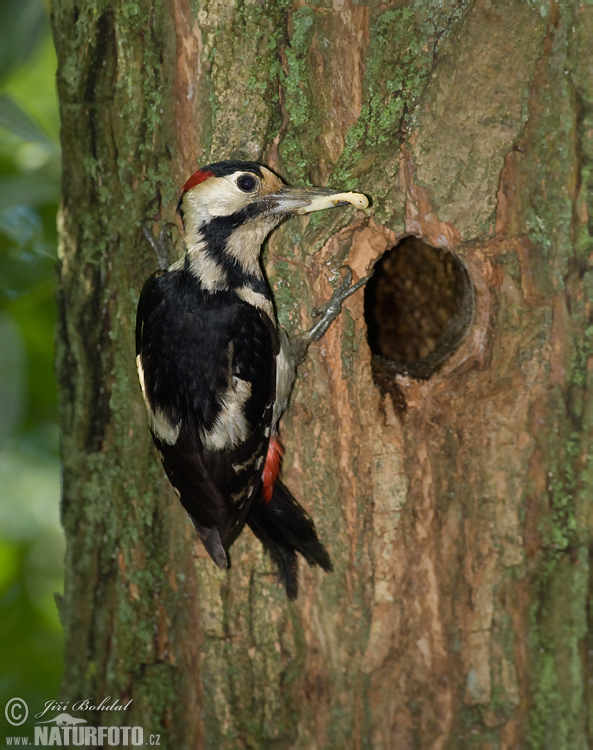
(327, 313)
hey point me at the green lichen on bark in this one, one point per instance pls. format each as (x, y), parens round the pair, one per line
(111, 88)
(395, 73)
(301, 128)
(399, 60)
(462, 140)
(554, 224)
(240, 55)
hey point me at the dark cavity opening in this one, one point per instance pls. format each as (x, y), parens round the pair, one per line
(417, 307)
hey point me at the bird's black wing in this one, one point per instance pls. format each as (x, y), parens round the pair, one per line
(207, 368)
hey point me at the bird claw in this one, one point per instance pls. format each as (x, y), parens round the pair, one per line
(339, 294)
(333, 307)
(327, 313)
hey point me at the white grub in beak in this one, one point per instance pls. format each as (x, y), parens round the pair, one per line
(321, 202)
(308, 200)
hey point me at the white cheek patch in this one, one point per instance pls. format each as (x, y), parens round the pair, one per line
(218, 196)
(159, 424)
(231, 427)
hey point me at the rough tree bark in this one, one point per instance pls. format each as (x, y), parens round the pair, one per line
(456, 508)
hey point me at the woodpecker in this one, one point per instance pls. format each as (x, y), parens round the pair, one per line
(216, 370)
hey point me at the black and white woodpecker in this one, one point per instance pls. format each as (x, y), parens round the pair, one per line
(216, 371)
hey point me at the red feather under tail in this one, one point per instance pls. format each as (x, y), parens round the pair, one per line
(271, 468)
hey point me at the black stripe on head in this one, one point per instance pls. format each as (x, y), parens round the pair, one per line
(218, 230)
(224, 168)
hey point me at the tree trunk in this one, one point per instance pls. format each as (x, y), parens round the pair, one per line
(451, 481)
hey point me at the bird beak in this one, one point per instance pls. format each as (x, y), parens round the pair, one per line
(306, 200)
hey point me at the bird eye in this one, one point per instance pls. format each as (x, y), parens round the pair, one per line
(247, 183)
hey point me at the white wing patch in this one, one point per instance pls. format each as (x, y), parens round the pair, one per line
(231, 427)
(159, 424)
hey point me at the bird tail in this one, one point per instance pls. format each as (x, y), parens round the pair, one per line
(284, 528)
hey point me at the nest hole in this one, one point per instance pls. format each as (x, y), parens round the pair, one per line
(418, 306)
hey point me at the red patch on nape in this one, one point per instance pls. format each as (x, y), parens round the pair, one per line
(271, 468)
(196, 178)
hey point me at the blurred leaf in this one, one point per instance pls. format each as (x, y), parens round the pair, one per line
(22, 24)
(12, 376)
(21, 225)
(31, 541)
(43, 572)
(33, 87)
(15, 119)
(31, 656)
(27, 259)
(30, 491)
(9, 564)
(28, 190)
(35, 314)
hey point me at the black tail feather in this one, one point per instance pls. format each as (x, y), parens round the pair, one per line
(285, 528)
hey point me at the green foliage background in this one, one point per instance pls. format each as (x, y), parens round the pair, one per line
(31, 540)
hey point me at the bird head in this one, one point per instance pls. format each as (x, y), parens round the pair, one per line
(233, 194)
(229, 208)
